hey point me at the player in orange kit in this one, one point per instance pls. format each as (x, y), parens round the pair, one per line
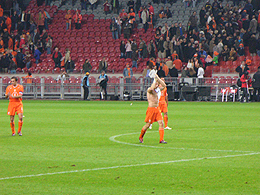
(163, 105)
(15, 92)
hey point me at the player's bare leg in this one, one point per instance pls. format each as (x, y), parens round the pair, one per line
(143, 131)
(12, 125)
(166, 120)
(161, 132)
(20, 123)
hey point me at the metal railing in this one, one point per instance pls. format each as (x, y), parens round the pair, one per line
(124, 90)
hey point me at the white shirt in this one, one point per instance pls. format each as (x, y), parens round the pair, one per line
(200, 72)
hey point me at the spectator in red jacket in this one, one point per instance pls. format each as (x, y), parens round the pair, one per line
(246, 83)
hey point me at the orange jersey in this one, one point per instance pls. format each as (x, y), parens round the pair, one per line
(15, 91)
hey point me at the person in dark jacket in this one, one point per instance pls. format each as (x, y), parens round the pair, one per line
(85, 85)
(173, 71)
(246, 83)
(57, 57)
(37, 54)
(122, 49)
(102, 81)
(256, 85)
(69, 65)
(87, 66)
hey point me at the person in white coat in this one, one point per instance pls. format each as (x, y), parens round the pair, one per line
(145, 17)
(200, 74)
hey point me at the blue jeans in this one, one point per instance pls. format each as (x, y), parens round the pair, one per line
(134, 64)
(129, 54)
(114, 34)
(37, 62)
(28, 65)
(258, 52)
(12, 71)
(122, 55)
(46, 24)
(48, 50)
(67, 26)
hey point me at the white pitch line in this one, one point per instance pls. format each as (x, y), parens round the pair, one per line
(142, 145)
(126, 166)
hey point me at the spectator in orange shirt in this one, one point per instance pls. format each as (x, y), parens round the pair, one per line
(1, 12)
(77, 19)
(68, 18)
(8, 23)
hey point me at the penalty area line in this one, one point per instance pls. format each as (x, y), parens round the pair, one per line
(126, 166)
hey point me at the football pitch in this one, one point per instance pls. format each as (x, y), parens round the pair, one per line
(92, 147)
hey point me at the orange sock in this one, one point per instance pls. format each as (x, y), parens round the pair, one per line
(20, 124)
(142, 133)
(12, 127)
(161, 132)
(165, 121)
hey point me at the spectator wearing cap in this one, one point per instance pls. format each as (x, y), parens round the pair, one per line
(85, 85)
(241, 50)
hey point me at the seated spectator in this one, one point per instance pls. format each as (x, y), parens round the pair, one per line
(232, 54)
(169, 62)
(87, 66)
(12, 67)
(69, 65)
(27, 59)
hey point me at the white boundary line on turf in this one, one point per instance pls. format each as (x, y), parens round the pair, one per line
(113, 138)
(126, 166)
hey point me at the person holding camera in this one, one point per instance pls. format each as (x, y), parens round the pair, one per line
(246, 83)
(102, 81)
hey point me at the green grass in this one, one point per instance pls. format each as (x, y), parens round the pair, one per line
(207, 150)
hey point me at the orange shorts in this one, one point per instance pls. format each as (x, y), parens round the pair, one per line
(15, 108)
(153, 114)
(163, 107)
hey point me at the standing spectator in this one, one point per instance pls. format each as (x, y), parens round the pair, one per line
(241, 50)
(232, 54)
(77, 19)
(115, 5)
(256, 85)
(246, 83)
(87, 66)
(128, 74)
(193, 20)
(85, 85)
(8, 23)
(151, 49)
(113, 27)
(160, 48)
(46, 18)
(28, 19)
(37, 54)
(102, 80)
(134, 58)
(253, 25)
(49, 44)
(69, 65)
(19, 59)
(27, 59)
(12, 67)
(15, 19)
(131, 5)
(103, 65)
(138, 5)
(252, 45)
(106, 7)
(128, 49)
(57, 57)
(68, 18)
(40, 21)
(145, 17)
(83, 4)
(122, 49)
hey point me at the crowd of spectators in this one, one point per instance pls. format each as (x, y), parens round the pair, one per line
(216, 33)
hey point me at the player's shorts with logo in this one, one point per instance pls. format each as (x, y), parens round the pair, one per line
(15, 107)
(153, 114)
